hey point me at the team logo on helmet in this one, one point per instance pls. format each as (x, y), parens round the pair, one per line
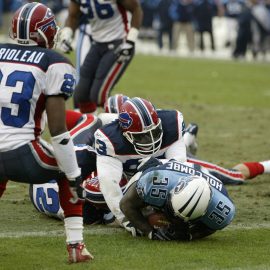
(125, 120)
(180, 186)
(182, 183)
(44, 26)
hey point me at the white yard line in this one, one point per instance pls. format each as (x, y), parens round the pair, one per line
(90, 231)
(107, 230)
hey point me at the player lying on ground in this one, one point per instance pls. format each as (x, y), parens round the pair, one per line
(82, 128)
(193, 203)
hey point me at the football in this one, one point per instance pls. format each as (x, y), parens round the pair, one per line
(158, 220)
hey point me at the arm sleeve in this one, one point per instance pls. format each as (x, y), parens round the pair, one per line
(60, 80)
(109, 172)
(65, 155)
(178, 150)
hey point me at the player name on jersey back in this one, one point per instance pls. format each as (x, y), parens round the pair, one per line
(24, 56)
(179, 167)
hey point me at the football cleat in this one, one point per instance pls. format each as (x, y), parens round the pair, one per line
(192, 129)
(78, 253)
(190, 138)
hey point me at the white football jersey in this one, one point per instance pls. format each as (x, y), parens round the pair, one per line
(108, 19)
(27, 76)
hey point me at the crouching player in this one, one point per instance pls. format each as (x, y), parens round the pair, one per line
(193, 203)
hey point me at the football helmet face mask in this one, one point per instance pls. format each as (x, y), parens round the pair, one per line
(34, 24)
(114, 103)
(141, 126)
(190, 198)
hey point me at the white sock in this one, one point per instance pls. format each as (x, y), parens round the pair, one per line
(74, 229)
(266, 165)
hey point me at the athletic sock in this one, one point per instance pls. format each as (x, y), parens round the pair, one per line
(255, 168)
(74, 229)
(266, 165)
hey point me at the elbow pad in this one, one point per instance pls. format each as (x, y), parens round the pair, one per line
(65, 155)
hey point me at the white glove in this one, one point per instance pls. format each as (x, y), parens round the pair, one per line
(125, 51)
(65, 39)
(129, 227)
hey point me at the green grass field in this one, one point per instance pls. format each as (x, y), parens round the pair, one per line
(231, 103)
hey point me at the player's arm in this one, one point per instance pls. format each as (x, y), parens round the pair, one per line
(74, 14)
(134, 7)
(62, 144)
(55, 108)
(72, 22)
(199, 230)
(131, 205)
(177, 150)
(61, 141)
(126, 50)
(109, 172)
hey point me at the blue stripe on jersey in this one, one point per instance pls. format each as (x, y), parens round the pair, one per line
(146, 117)
(23, 20)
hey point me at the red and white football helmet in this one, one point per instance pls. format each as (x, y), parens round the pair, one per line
(34, 24)
(141, 125)
(93, 192)
(114, 103)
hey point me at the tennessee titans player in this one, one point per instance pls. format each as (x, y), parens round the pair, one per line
(195, 203)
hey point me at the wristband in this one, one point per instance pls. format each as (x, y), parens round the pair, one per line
(65, 155)
(133, 34)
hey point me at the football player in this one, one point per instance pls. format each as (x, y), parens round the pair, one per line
(82, 127)
(112, 46)
(195, 204)
(95, 211)
(139, 131)
(35, 81)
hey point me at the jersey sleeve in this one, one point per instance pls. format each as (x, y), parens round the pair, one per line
(103, 145)
(109, 172)
(60, 79)
(177, 150)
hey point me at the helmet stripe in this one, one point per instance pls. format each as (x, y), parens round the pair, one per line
(183, 208)
(143, 110)
(24, 20)
(195, 205)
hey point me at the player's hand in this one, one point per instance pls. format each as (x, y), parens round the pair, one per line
(131, 229)
(65, 39)
(125, 51)
(146, 163)
(160, 234)
(76, 189)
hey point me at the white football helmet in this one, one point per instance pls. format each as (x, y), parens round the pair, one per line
(190, 198)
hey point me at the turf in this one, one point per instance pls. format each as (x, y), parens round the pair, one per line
(230, 102)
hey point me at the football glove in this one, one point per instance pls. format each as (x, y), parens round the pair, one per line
(76, 189)
(65, 39)
(146, 163)
(125, 51)
(160, 234)
(131, 229)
